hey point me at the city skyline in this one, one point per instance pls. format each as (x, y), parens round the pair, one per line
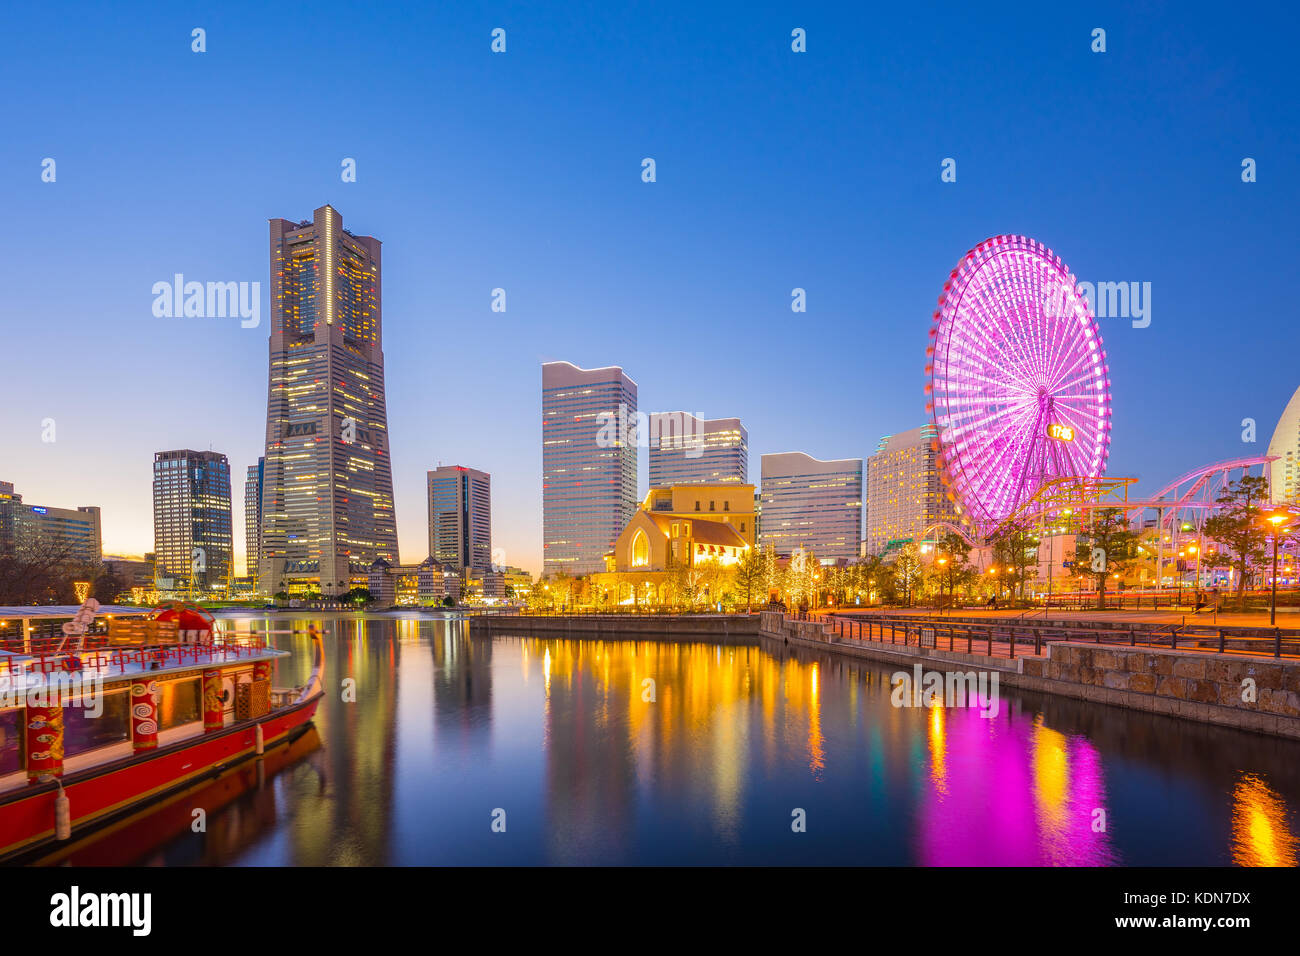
(743, 210)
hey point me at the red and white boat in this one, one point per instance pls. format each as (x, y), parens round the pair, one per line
(90, 734)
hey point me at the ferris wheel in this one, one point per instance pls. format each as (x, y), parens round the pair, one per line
(1016, 379)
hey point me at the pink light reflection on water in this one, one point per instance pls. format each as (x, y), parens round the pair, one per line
(1009, 792)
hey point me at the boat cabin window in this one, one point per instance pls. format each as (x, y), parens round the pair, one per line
(84, 728)
(180, 703)
(11, 757)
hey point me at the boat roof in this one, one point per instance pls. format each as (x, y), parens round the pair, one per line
(34, 611)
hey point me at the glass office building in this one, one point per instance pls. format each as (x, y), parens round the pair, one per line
(588, 464)
(192, 531)
(812, 505)
(253, 517)
(460, 517)
(686, 450)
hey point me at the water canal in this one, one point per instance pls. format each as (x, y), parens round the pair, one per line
(449, 728)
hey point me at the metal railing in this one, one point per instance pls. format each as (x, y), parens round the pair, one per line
(648, 611)
(1008, 637)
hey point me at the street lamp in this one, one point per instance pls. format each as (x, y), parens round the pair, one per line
(1276, 520)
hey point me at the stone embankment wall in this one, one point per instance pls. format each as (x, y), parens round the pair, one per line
(663, 626)
(1233, 690)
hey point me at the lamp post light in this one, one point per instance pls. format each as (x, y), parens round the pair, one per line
(1276, 520)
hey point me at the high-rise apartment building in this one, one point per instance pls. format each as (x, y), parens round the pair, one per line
(460, 517)
(327, 482)
(192, 531)
(812, 505)
(905, 493)
(687, 450)
(63, 534)
(588, 464)
(253, 517)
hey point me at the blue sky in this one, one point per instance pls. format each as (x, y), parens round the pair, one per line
(522, 170)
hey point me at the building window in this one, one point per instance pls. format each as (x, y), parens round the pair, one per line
(697, 506)
(726, 506)
(640, 549)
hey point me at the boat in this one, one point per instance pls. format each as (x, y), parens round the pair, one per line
(96, 726)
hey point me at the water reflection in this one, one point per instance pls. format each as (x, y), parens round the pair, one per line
(600, 751)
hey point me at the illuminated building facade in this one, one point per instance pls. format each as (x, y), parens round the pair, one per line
(1285, 444)
(192, 532)
(684, 449)
(682, 526)
(905, 492)
(460, 517)
(588, 464)
(327, 482)
(68, 534)
(403, 585)
(253, 516)
(812, 504)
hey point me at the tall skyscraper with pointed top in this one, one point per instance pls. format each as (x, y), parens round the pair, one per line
(327, 484)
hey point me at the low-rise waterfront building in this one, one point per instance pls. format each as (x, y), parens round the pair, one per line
(412, 584)
(676, 529)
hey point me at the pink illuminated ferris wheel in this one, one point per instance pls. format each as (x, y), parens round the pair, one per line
(1016, 378)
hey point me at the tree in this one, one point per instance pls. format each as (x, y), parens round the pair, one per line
(686, 581)
(750, 574)
(871, 574)
(1011, 545)
(1105, 546)
(358, 596)
(907, 570)
(1238, 525)
(801, 577)
(951, 555)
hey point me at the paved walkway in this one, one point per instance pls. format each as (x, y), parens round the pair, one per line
(1285, 621)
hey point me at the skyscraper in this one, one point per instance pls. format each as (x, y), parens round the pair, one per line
(327, 483)
(811, 504)
(460, 517)
(253, 517)
(905, 493)
(686, 450)
(193, 539)
(588, 464)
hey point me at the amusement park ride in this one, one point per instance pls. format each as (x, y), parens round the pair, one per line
(1018, 390)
